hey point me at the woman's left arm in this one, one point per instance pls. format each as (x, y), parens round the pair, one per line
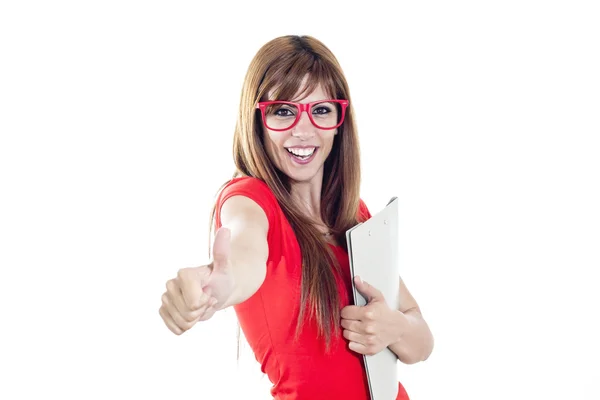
(375, 326)
(415, 340)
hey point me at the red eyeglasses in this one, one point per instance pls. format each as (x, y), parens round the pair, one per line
(284, 115)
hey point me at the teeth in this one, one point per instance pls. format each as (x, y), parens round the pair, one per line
(302, 152)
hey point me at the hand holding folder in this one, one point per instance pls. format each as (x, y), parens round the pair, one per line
(373, 254)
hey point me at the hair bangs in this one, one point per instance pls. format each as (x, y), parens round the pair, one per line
(286, 82)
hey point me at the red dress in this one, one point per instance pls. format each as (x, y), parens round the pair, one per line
(298, 370)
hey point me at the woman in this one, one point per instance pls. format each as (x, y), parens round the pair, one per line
(279, 253)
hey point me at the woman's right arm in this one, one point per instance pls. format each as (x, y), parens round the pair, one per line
(249, 249)
(238, 269)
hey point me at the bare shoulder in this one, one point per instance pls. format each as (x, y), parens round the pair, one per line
(250, 199)
(242, 209)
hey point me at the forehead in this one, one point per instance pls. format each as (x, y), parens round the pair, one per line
(307, 91)
(319, 93)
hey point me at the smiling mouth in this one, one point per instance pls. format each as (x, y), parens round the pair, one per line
(303, 153)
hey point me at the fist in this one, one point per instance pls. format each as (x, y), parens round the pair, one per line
(186, 301)
(197, 293)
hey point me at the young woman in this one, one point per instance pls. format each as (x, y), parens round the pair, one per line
(279, 253)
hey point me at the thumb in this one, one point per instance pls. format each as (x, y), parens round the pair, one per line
(369, 292)
(221, 249)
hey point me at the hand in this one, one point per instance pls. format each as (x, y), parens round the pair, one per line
(373, 327)
(196, 293)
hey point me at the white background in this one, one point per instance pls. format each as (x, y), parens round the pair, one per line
(116, 121)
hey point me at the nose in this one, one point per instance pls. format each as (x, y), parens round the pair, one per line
(304, 129)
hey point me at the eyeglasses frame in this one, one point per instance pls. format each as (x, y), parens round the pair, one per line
(262, 105)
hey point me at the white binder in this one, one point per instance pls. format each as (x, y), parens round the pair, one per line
(373, 254)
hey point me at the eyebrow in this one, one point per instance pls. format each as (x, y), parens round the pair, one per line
(328, 99)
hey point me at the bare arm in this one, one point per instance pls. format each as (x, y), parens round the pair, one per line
(416, 343)
(249, 226)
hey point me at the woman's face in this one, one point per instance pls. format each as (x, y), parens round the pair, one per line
(300, 152)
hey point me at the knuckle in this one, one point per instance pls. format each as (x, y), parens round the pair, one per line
(189, 317)
(164, 299)
(369, 328)
(164, 313)
(203, 298)
(185, 327)
(182, 273)
(183, 324)
(171, 285)
(199, 301)
(207, 315)
(178, 332)
(370, 350)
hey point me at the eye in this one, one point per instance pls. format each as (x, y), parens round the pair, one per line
(284, 111)
(280, 110)
(323, 109)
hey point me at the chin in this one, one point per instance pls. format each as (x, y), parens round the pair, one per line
(304, 174)
(302, 177)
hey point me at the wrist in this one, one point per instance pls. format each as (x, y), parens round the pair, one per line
(400, 345)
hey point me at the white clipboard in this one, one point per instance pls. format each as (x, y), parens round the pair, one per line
(373, 254)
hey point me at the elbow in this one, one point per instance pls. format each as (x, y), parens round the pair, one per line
(418, 353)
(428, 347)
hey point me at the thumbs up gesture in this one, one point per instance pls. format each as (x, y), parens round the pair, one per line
(373, 327)
(198, 292)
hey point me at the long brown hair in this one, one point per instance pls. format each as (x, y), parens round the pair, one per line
(279, 68)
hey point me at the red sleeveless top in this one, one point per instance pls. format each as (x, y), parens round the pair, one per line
(298, 370)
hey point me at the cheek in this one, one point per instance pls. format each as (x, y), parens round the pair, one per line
(327, 141)
(273, 145)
